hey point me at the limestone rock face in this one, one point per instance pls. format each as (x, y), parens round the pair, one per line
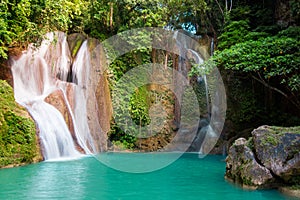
(5, 72)
(99, 106)
(269, 159)
(75, 40)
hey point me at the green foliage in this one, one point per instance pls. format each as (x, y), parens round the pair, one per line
(240, 12)
(127, 62)
(295, 10)
(262, 61)
(281, 130)
(109, 17)
(234, 33)
(25, 21)
(121, 139)
(246, 109)
(64, 15)
(292, 32)
(256, 12)
(296, 186)
(139, 106)
(256, 36)
(250, 143)
(185, 14)
(18, 142)
(136, 104)
(270, 58)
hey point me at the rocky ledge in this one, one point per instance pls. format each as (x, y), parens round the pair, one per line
(268, 159)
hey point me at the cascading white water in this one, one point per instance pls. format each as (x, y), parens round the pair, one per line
(36, 75)
(54, 133)
(32, 83)
(80, 69)
(212, 47)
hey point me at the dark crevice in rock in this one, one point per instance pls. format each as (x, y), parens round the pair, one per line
(257, 159)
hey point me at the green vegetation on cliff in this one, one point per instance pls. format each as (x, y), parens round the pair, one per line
(258, 55)
(18, 141)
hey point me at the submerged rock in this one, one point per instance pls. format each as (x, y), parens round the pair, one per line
(269, 159)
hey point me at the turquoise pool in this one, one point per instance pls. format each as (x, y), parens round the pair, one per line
(187, 178)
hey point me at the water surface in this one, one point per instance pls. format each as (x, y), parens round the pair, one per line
(187, 178)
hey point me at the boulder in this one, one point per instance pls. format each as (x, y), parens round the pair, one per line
(270, 158)
(242, 167)
(278, 149)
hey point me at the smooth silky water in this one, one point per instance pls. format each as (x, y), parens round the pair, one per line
(87, 178)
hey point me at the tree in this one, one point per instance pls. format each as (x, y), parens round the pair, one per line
(273, 61)
(25, 21)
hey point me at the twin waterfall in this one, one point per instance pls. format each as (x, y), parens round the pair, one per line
(63, 85)
(60, 93)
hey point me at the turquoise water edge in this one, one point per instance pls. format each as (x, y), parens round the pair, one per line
(189, 177)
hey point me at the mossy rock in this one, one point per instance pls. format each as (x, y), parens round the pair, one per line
(75, 41)
(278, 149)
(243, 168)
(18, 140)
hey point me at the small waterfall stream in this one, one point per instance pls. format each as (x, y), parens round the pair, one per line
(40, 72)
(80, 69)
(206, 134)
(203, 77)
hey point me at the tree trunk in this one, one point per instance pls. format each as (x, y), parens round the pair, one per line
(111, 14)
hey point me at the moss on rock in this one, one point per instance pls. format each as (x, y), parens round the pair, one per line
(243, 168)
(277, 148)
(75, 41)
(18, 140)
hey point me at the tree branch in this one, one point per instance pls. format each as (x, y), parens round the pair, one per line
(220, 7)
(260, 79)
(268, 86)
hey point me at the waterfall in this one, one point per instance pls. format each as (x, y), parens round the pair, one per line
(80, 69)
(206, 130)
(206, 133)
(54, 134)
(200, 61)
(212, 47)
(41, 72)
